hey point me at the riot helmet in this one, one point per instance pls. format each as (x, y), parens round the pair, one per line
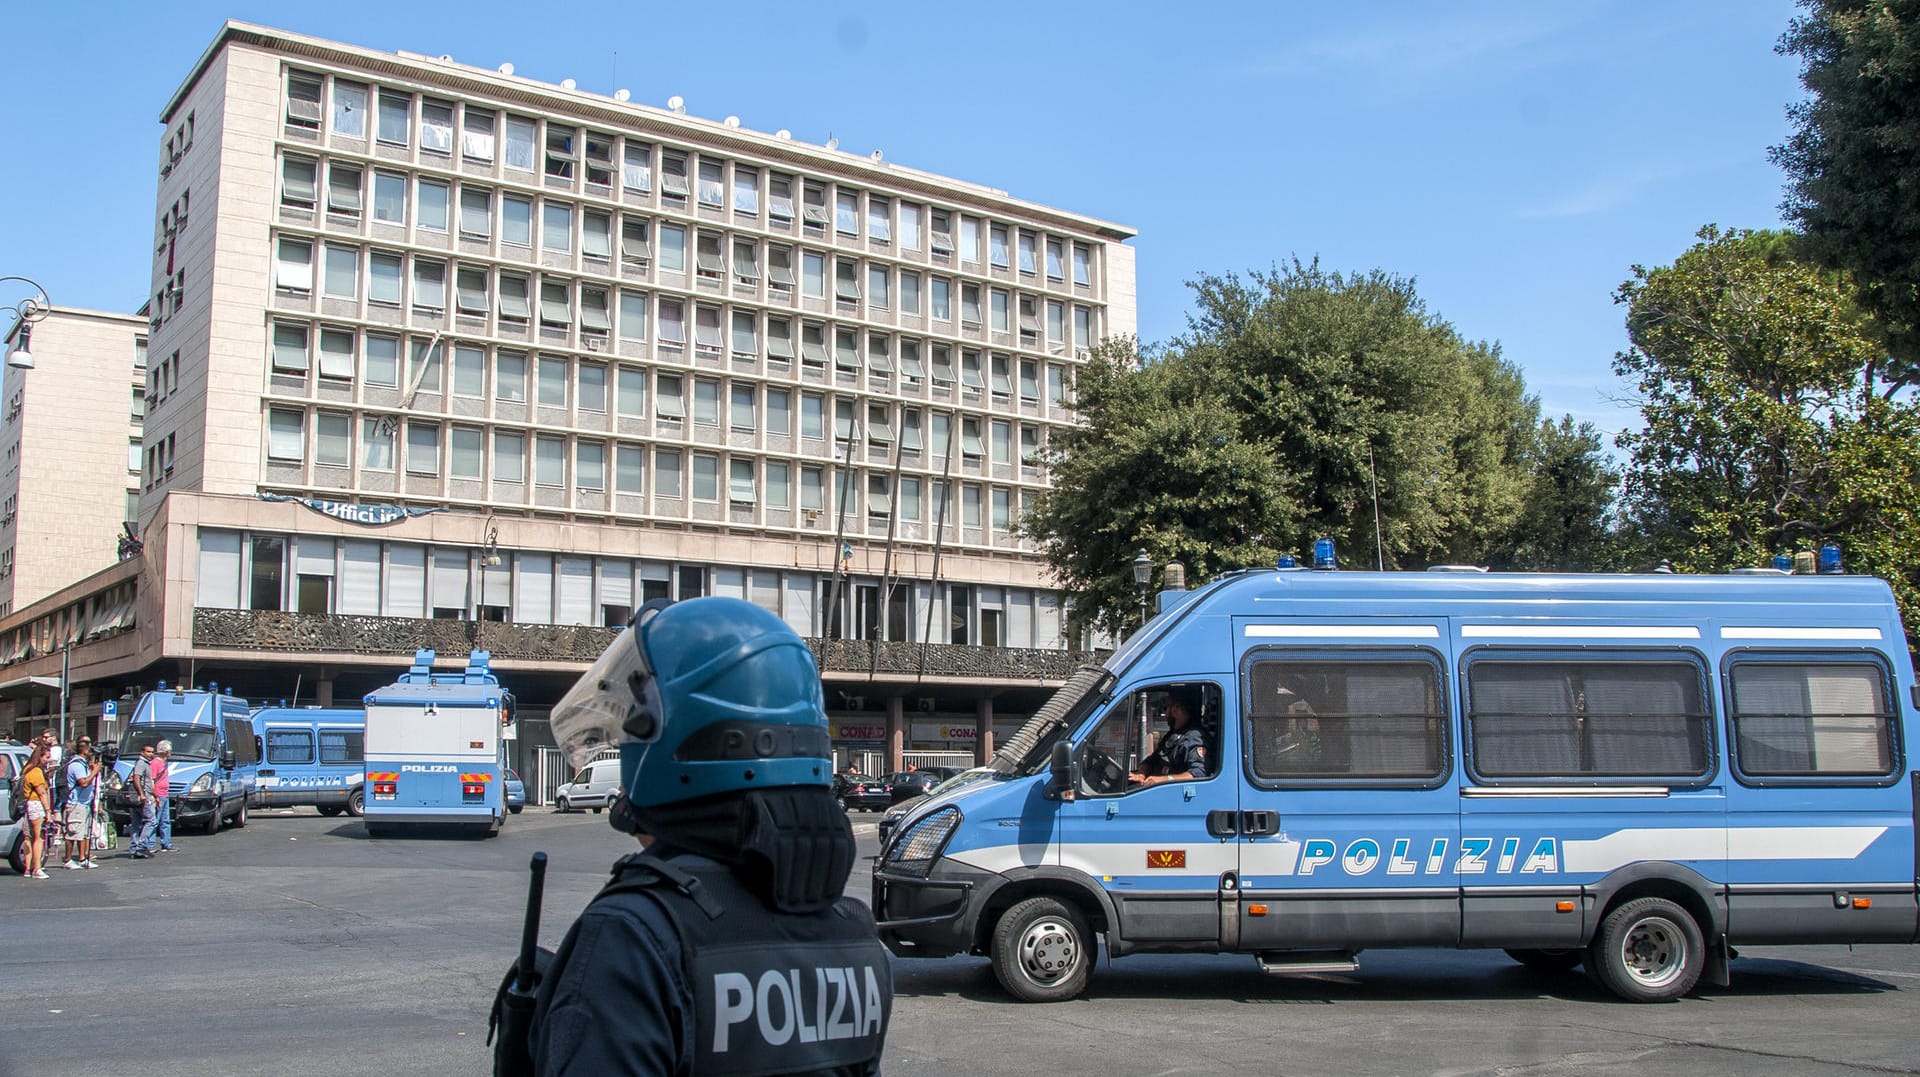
(701, 697)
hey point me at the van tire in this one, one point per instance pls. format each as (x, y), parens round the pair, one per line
(17, 859)
(212, 825)
(1042, 950)
(1553, 960)
(357, 802)
(563, 807)
(240, 817)
(329, 810)
(1648, 950)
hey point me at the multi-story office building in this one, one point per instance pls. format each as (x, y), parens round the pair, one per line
(69, 451)
(537, 355)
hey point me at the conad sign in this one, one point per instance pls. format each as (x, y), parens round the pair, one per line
(845, 730)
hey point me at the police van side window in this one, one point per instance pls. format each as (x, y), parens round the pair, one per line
(1548, 718)
(1128, 741)
(1382, 719)
(289, 746)
(342, 747)
(1801, 719)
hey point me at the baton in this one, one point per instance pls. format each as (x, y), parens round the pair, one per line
(530, 930)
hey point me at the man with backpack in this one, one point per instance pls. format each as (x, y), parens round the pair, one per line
(82, 779)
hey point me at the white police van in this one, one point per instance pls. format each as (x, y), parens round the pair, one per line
(311, 756)
(1637, 773)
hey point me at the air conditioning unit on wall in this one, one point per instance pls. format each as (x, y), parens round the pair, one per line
(926, 705)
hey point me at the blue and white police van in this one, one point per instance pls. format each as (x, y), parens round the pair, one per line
(311, 756)
(435, 750)
(211, 778)
(1639, 773)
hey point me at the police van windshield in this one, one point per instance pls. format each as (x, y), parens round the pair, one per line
(188, 743)
(1027, 751)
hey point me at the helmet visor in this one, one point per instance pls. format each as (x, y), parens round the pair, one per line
(599, 711)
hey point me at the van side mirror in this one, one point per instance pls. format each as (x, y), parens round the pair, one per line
(1063, 772)
(226, 759)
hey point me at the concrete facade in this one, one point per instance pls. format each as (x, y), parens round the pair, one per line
(69, 440)
(596, 353)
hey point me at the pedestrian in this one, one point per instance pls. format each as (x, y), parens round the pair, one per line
(83, 780)
(162, 815)
(33, 786)
(725, 946)
(140, 811)
(56, 782)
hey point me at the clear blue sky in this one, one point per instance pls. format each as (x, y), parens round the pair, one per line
(1515, 158)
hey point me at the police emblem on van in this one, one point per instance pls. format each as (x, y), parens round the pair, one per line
(1166, 858)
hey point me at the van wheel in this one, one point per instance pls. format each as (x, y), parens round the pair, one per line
(1042, 951)
(240, 817)
(562, 806)
(357, 802)
(1548, 960)
(329, 810)
(212, 825)
(1648, 950)
(17, 859)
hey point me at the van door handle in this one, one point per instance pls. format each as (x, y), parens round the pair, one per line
(1223, 824)
(1254, 824)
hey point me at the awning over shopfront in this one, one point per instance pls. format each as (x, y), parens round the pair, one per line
(29, 688)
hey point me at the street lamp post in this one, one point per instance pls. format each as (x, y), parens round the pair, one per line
(489, 558)
(25, 313)
(1142, 575)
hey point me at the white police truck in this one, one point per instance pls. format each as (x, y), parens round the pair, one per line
(435, 750)
(1637, 773)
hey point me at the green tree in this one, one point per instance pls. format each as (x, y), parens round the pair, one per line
(1563, 522)
(1854, 154)
(1767, 427)
(1268, 424)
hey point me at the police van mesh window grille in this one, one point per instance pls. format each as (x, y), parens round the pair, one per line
(289, 746)
(1587, 720)
(1349, 719)
(1814, 719)
(342, 747)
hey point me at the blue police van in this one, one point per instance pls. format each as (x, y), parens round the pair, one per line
(211, 779)
(1638, 773)
(311, 756)
(435, 749)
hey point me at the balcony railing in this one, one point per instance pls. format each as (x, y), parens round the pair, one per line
(270, 631)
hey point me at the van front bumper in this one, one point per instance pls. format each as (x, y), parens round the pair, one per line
(934, 916)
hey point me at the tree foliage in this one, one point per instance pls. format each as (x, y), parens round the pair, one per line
(1267, 425)
(1767, 425)
(1853, 159)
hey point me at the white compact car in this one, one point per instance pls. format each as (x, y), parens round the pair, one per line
(594, 787)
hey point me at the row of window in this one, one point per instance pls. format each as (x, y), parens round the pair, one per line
(340, 354)
(481, 291)
(562, 152)
(589, 464)
(1547, 717)
(366, 577)
(338, 747)
(440, 207)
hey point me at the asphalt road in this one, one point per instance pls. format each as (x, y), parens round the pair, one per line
(298, 944)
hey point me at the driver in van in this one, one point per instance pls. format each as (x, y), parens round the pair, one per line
(1181, 754)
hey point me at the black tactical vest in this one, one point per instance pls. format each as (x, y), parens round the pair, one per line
(773, 992)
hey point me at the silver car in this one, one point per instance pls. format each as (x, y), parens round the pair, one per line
(594, 787)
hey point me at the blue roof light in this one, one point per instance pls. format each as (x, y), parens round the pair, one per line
(1830, 559)
(1323, 553)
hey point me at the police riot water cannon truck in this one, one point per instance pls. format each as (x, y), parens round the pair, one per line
(212, 774)
(1636, 773)
(435, 749)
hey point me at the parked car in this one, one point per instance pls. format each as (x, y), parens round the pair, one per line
(858, 792)
(516, 791)
(914, 783)
(899, 811)
(13, 832)
(594, 787)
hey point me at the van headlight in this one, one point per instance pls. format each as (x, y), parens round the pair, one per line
(202, 784)
(916, 849)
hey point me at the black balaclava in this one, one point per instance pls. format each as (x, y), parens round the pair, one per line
(792, 846)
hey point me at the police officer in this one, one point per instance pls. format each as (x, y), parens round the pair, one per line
(1182, 754)
(725, 946)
